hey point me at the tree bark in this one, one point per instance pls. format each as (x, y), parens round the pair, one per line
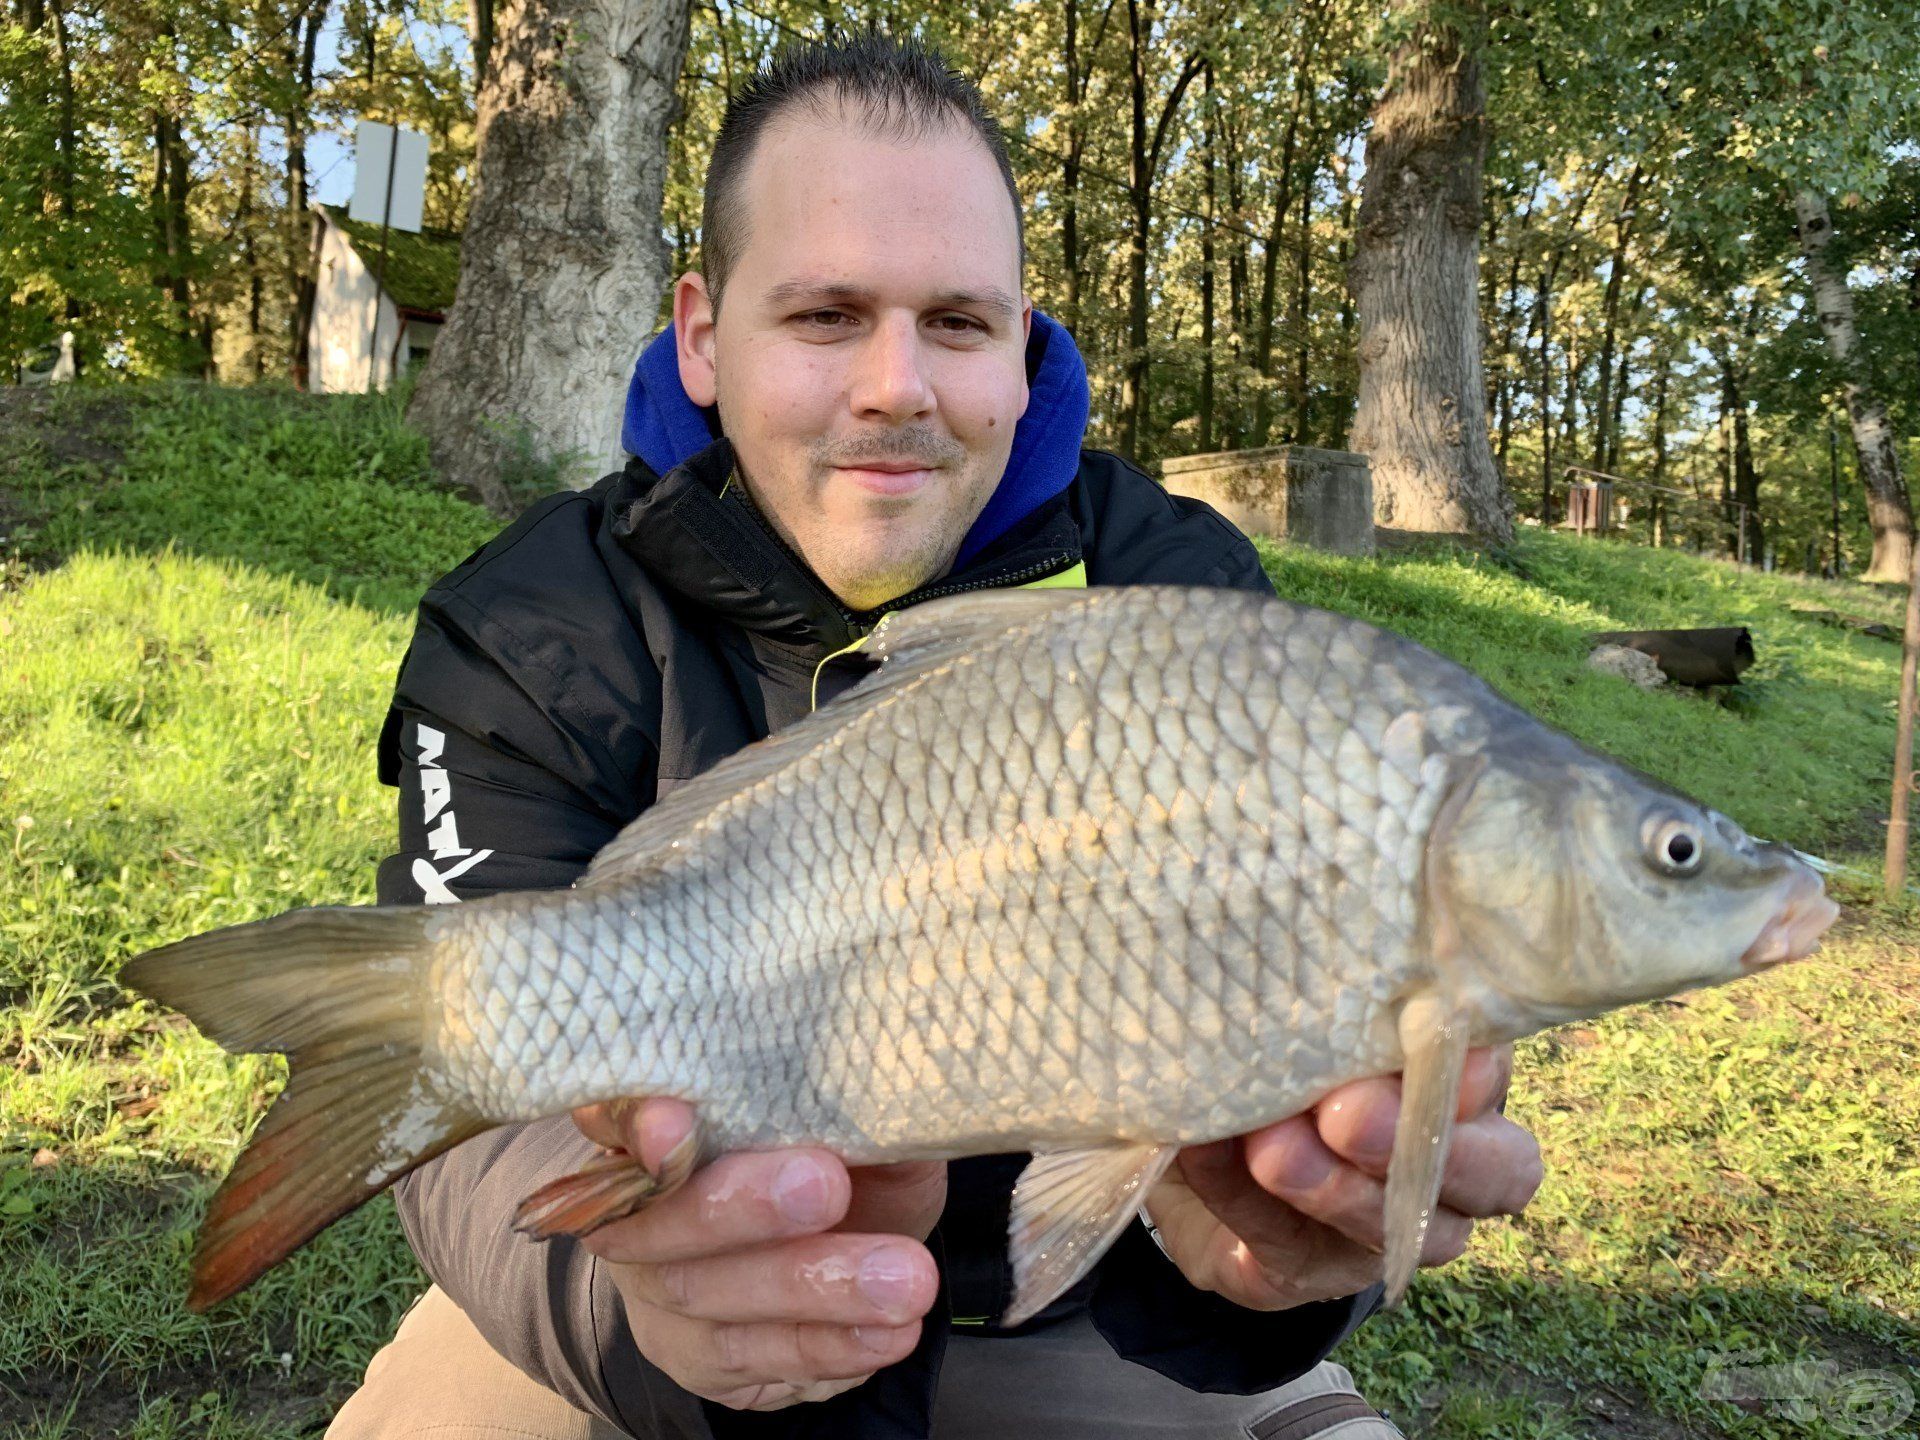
(1889, 510)
(1415, 277)
(562, 262)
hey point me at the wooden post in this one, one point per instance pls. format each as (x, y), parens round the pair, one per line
(1903, 740)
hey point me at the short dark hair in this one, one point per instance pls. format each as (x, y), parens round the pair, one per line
(900, 88)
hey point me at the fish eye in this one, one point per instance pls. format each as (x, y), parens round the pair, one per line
(1674, 846)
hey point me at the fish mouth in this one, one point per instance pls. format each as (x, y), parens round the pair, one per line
(1794, 930)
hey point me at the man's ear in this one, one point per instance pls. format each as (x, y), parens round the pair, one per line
(693, 338)
(1026, 334)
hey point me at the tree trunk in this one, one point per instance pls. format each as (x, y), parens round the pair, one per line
(1206, 286)
(1070, 173)
(1546, 397)
(1277, 229)
(480, 32)
(299, 236)
(562, 262)
(249, 248)
(1659, 472)
(1415, 276)
(1303, 320)
(1889, 512)
(1743, 519)
(1603, 409)
(1143, 166)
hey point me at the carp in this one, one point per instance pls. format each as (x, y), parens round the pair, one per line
(1093, 874)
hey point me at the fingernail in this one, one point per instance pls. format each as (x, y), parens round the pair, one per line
(888, 1278)
(875, 1339)
(1306, 1167)
(1375, 1140)
(800, 1191)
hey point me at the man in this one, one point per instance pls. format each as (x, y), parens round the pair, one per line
(856, 409)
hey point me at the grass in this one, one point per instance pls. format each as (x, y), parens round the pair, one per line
(187, 721)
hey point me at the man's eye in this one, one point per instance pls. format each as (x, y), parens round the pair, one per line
(960, 325)
(825, 319)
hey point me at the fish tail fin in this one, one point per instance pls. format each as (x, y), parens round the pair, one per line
(339, 990)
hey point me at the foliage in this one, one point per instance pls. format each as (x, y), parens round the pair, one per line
(1637, 239)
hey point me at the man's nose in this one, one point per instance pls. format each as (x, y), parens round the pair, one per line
(889, 381)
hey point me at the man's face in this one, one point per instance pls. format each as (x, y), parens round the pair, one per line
(868, 358)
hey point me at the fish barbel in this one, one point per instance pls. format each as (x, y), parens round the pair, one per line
(1092, 874)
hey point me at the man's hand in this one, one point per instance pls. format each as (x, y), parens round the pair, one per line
(1295, 1212)
(770, 1277)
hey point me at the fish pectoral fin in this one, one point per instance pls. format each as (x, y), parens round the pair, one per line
(611, 1187)
(1434, 1036)
(1068, 1208)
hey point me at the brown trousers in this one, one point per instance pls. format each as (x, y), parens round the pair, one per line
(438, 1377)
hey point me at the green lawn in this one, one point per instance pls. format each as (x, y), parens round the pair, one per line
(198, 633)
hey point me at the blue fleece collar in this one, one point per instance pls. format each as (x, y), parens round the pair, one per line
(665, 428)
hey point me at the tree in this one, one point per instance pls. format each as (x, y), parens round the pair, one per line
(561, 266)
(1420, 416)
(1888, 508)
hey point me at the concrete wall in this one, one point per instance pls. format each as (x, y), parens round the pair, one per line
(344, 301)
(1322, 498)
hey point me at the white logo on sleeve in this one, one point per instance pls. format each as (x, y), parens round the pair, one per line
(443, 839)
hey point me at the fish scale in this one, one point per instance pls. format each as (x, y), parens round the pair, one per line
(1091, 874)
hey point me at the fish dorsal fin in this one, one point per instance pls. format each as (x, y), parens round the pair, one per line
(910, 646)
(1069, 1206)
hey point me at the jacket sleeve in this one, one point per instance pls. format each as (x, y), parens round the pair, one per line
(480, 813)
(1147, 1310)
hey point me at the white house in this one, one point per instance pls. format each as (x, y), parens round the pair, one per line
(362, 334)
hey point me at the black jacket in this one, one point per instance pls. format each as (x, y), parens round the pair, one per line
(607, 646)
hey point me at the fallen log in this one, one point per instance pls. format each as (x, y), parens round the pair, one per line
(1690, 657)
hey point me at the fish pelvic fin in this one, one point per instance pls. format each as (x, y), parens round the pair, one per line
(339, 990)
(1434, 1036)
(605, 1189)
(1069, 1206)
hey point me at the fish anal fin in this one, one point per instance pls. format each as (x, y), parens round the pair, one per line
(1069, 1206)
(610, 1187)
(1433, 1035)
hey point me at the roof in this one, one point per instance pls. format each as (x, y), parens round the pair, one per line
(422, 269)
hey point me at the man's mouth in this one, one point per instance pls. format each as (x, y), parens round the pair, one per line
(889, 477)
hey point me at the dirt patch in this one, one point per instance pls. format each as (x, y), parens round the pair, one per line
(301, 1404)
(1602, 1410)
(75, 436)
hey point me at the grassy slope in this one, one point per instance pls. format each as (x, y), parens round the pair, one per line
(190, 733)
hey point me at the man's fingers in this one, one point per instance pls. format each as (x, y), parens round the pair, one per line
(725, 1356)
(648, 1127)
(906, 1198)
(1357, 1121)
(1292, 1164)
(841, 1279)
(1493, 1168)
(735, 1203)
